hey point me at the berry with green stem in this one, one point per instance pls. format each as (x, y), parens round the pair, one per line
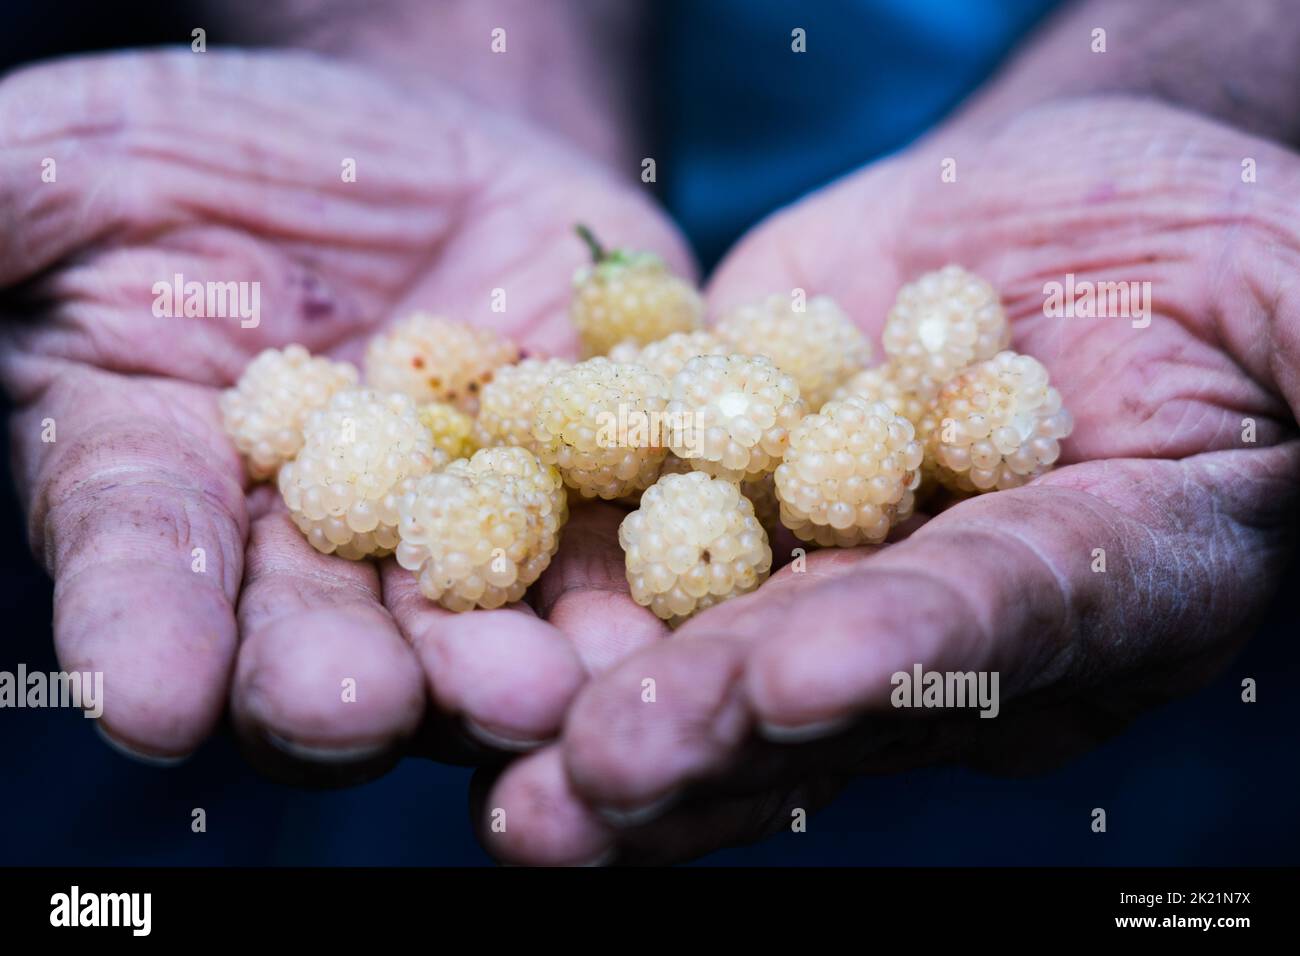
(629, 296)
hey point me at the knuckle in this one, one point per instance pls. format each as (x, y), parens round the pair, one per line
(135, 494)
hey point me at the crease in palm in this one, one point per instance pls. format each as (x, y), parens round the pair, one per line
(449, 205)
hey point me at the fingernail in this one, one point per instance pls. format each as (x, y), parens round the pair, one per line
(800, 733)
(499, 741)
(151, 760)
(638, 816)
(502, 742)
(340, 755)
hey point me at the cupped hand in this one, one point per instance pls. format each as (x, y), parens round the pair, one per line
(183, 585)
(1127, 575)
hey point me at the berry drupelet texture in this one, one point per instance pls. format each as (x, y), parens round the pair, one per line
(599, 423)
(434, 360)
(451, 429)
(818, 347)
(849, 473)
(940, 324)
(536, 485)
(629, 296)
(880, 384)
(669, 355)
(508, 404)
(479, 532)
(359, 454)
(692, 543)
(731, 415)
(995, 426)
(265, 412)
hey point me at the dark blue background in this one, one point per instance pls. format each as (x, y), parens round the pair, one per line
(746, 127)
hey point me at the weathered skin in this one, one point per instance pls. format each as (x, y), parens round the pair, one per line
(227, 166)
(1194, 522)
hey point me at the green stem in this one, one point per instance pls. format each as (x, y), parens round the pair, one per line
(598, 253)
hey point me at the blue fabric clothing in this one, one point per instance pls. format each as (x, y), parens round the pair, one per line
(749, 125)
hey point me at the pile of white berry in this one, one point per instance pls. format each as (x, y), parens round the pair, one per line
(464, 460)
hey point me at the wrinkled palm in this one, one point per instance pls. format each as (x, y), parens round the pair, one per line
(231, 168)
(1179, 481)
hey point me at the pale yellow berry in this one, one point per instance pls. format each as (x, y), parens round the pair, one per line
(819, 347)
(880, 384)
(668, 356)
(264, 413)
(941, 323)
(538, 486)
(508, 403)
(629, 296)
(693, 542)
(451, 429)
(849, 473)
(478, 533)
(996, 425)
(432, 359)
(731, 415)
(360, 455)
(600, 424)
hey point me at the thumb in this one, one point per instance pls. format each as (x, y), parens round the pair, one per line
(1078, 579)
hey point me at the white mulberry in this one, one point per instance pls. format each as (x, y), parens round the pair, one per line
(761, 492)
(508, 404)
(996, 425)
(629, 296)
(600, 424)
(265, 412)
(941, 323)
(359, 455)
(731, 415)
(669, 355)
(880, 384)
(819, 347)
(693, 542)
(849, 473)
(478, 533)
(434, 360)
(450, 428)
